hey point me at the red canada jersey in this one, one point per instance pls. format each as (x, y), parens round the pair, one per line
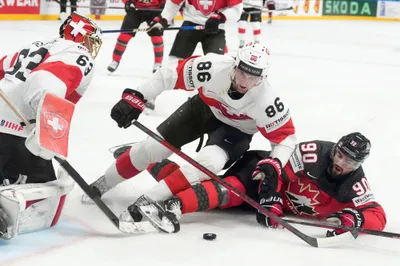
(148, 3)
(312, 191)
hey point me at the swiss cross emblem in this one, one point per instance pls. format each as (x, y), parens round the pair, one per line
(206, 6)
(55, 124)
(78, 28)
(253, 58)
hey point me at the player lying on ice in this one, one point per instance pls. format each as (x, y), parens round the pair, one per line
(32, 195)
(322, 180)
(234, 102)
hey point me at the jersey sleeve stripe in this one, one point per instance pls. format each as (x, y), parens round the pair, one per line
(280, 134)
(70, 75)
(180, 83)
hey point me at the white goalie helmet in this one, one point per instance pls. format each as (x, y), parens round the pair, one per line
(253, 59)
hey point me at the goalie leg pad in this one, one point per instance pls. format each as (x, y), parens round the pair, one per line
(34, 207)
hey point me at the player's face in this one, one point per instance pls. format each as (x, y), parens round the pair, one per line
(243, 82)
(342, 164)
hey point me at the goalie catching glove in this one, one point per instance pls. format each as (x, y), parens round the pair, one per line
(128, 108)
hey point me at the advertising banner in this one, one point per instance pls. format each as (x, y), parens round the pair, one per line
(389, 9)
(19, 6)
(365, 8)
(300, 8)
(50, 7)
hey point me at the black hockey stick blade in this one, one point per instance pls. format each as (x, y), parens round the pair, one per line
(312, 241)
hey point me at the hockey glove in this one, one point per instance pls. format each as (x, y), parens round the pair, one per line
(269, 167)
(347, 217)
(157, 26)
(272, 204)
(212, 23)
(130, 6)
(128, 108)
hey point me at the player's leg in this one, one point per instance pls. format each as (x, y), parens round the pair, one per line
(183, 126)
(214, 43)
(32, 207)
(271, 7)
(185, 42)
(255, 22)
(132, 20)
(224, 146)
(156, 39)
(20, 165)
(242, 24)
(73, 5)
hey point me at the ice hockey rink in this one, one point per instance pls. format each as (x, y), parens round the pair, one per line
(336, 76)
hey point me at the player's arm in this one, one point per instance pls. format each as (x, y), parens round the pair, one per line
(66, 76)
(7, 62)
(171, 8)
(276, 125)
(188, 74)
(361, 212)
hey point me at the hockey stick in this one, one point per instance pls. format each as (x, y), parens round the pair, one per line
(325, 224)
(125, 227)
(145, 29)
(263, 9)
(107, 7)
(312, 241)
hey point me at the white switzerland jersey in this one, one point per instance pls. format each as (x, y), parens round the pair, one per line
(260, 109)
(198, 11)
(58, 66)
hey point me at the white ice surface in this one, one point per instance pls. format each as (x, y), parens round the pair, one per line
(336, 76)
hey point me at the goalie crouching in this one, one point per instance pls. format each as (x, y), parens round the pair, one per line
(39, 85)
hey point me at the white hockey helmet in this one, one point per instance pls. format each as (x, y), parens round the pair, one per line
(253, 59)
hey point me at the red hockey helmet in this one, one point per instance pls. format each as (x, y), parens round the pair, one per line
(81, 29)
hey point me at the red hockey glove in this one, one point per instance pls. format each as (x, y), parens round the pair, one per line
(274, 205)
(128, 108)
(212, 23)
(130, 6)
(347, 217)
(157, 26)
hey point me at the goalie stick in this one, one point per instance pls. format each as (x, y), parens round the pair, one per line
(312, 241)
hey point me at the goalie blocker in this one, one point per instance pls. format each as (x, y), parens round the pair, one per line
(31, 207)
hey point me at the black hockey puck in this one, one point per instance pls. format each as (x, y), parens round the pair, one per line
(209, 236)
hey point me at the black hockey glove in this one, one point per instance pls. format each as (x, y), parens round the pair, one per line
(269, 167)
(157, 26)
(212, 23)
(130, 6)
(273, 203)
(347, 217)
(128, 108)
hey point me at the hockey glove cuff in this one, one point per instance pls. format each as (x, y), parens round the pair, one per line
(274, 205)
(128, 108)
